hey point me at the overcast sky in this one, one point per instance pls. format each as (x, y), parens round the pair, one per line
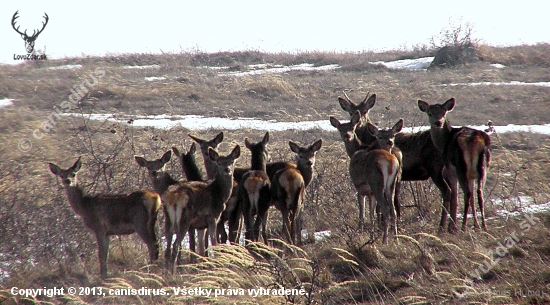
(101, 26)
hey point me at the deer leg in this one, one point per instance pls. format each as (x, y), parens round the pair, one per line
(464, 186)
(234, 225)
(481, 203)
(471, 201)
(201, 237)
(150, 239)
(192, 242)
(102, 252)
(168, 234)
(372, 211)
(390, 195)
(396, 201)
(262, 218)
(212, 230)
(220, 229)
(451, 189)
(286, 225)
(361, 205)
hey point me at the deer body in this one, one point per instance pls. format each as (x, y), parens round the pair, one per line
(173, 210)
(231, 206)
(466, 154)
(289, 181)
(420, 158)
(106, 215)
(205, 201)
(254, 188)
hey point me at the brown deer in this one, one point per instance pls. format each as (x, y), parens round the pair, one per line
(211, 167)
(466, 153)
(353, 144)
(375, 171)
(161, 182)
(205, 201)
(106, 215)
(288, 183)
(421, 159)
(254, 188)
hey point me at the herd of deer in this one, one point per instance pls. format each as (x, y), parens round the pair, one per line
(379, 161)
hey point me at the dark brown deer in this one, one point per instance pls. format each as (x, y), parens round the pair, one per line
(254, 188)
(205, 201)
(162, 180)
(288, 183)
(466, 153)
(421, 159)
(106, 215)
(231, 206)
(29, 40)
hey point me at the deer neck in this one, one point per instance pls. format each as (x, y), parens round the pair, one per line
(191, 169)
(258, 163)
(441, 135)
(75, 195)
(161, 183)
(363, 133)
(306, 171)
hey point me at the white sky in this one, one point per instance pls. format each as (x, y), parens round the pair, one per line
(101, 26)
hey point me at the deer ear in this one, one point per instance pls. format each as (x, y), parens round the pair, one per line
(193, 148)
(247, 143)
(212, 154)
(449, 104)
(373, 130)
(236, 152)
(423, 106)
(398, 126)
(334, 122)
(317, 145)
(166, 157)
(77, 165)
(195, 138)
(266, 138)
(176, 152)
(54, 168)
(218, 139)
(371, 101)
(345, 104)
(294, 147)
(140, 161)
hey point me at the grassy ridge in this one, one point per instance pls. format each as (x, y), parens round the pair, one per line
(347, 268)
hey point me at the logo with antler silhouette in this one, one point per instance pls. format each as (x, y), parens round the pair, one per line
(29, 40)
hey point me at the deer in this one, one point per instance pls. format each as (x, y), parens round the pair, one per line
(162, 181)
(353, 144)
(465, 151)
(205, 201)
(421, 159)
(288, 183)
(106, 215)
(211, 168)
(254, 188)
(29, 40)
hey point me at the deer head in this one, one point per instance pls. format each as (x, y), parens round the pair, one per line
(29, 40)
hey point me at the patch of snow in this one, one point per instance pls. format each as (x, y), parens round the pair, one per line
(512, 83)
(267, 68)
(154, 78)
(407, 64)
(142, 67)
(66, 67)
(198, 122)
(528, 209)
(6, 102)
(318, 236)
(498, 66)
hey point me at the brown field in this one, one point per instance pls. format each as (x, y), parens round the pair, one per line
(44, 244)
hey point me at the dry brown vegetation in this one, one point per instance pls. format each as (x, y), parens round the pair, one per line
(43, 243)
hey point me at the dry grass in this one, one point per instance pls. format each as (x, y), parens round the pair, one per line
(422, 268)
